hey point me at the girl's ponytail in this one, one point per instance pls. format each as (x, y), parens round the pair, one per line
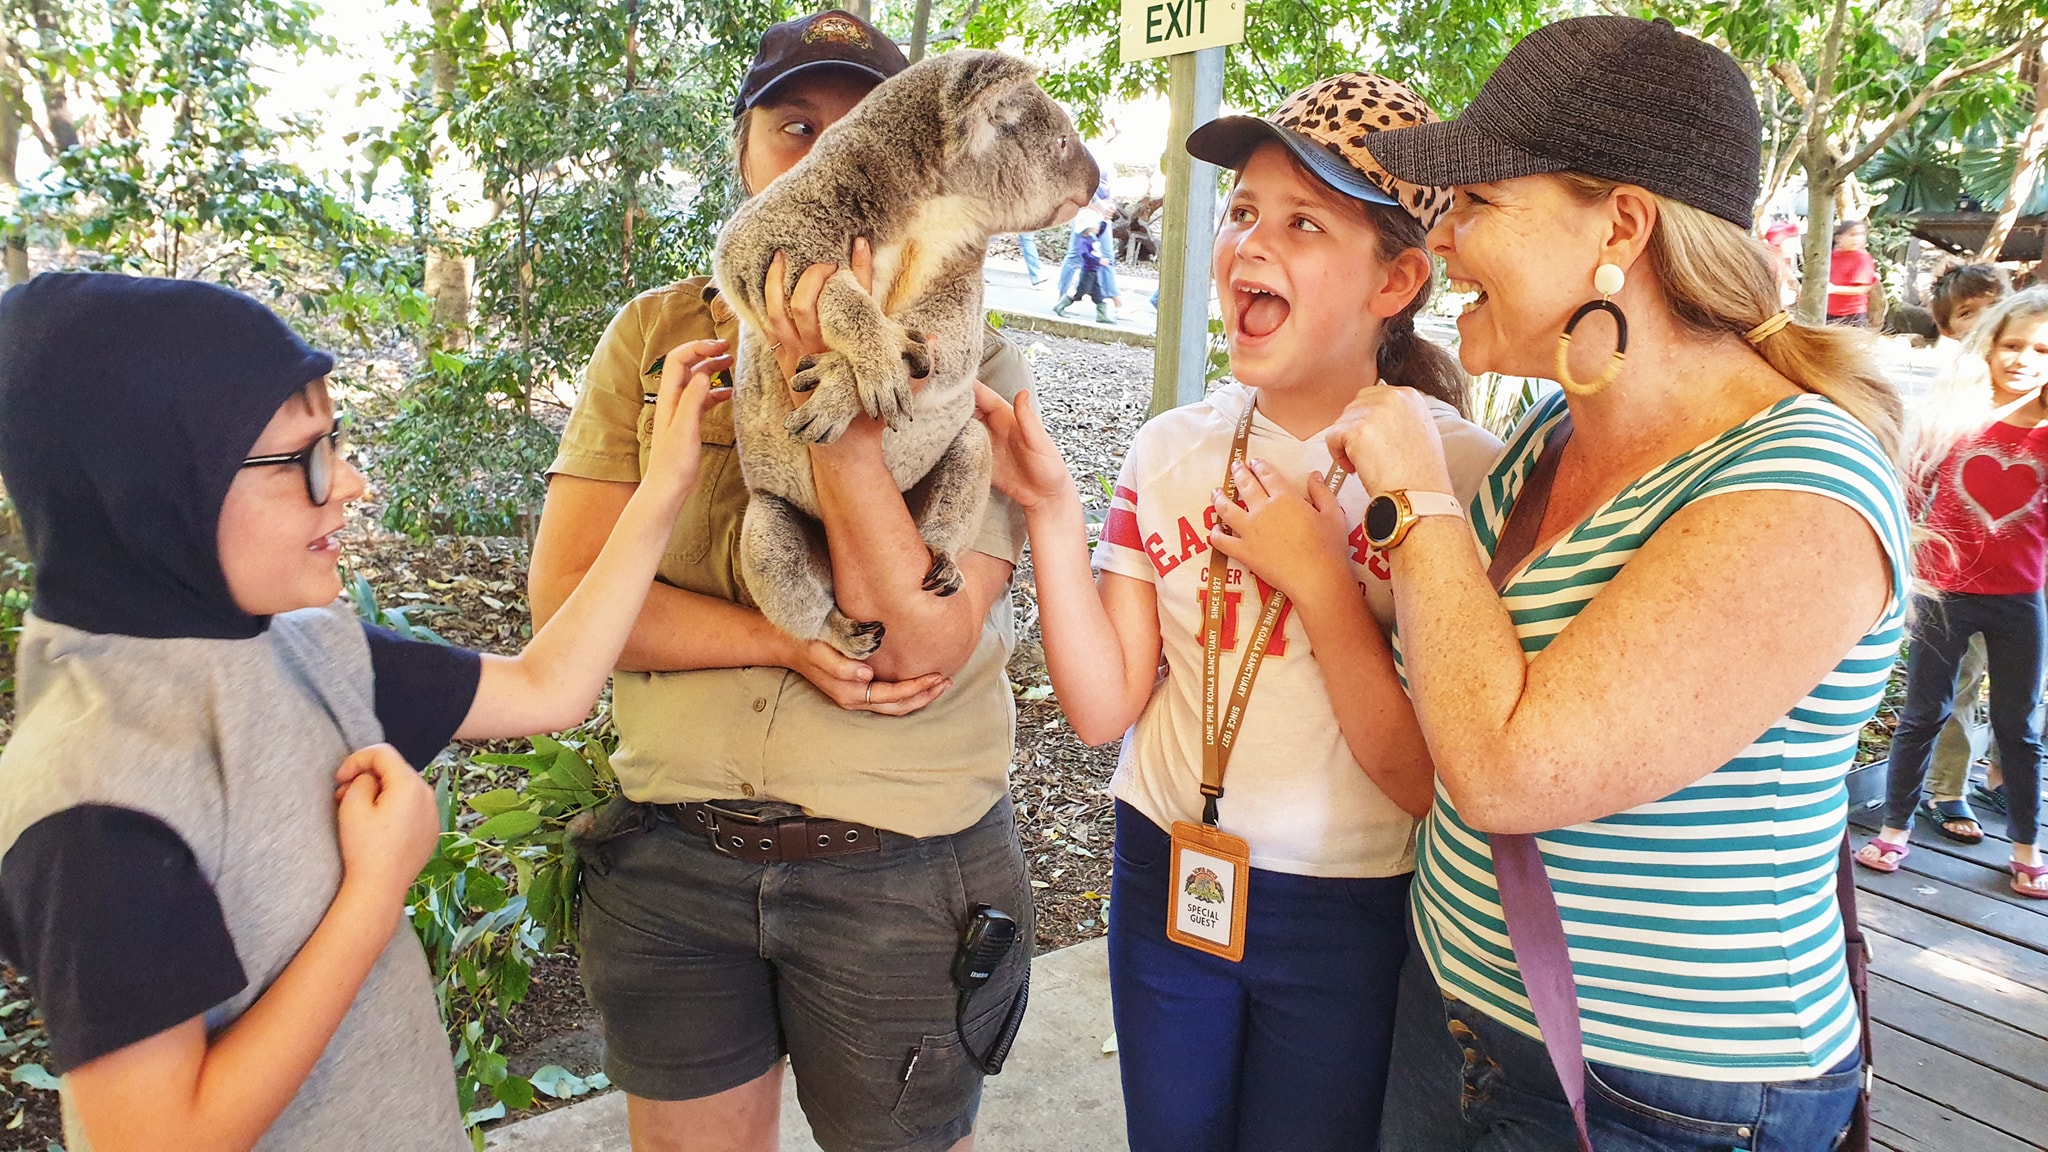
(1407, 360)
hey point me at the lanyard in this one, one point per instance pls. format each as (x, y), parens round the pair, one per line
(1219, 732)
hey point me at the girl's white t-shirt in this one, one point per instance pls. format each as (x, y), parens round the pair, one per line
(1293, 790)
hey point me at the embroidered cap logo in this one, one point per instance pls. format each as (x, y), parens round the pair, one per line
(836, 29)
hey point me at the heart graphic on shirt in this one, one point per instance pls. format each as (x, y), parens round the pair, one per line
(1999, 489)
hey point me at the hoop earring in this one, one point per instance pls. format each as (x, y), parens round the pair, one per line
(1607, 279)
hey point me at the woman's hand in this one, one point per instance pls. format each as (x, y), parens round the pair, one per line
(679, 406)
(851, 684)
(1293, 539)
(793, 315)
(1028, 466)
(1388, 438)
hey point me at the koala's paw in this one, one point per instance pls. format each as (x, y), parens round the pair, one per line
(884, 389)
(917, 354)
(823, 368)
(856, 639)
(944, 578)
(824, 417)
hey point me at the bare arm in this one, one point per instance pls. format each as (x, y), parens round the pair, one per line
(879, 561)
(1101, 637)
(677, 630)
(555, 679)
(1294, 541)
(175, 1092)
(1726, 618)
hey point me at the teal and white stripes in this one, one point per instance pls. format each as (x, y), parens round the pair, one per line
(1703, 928)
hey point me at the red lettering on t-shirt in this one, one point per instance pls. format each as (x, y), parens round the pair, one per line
(1374, 559)
(1155, 547)
(1191, 542)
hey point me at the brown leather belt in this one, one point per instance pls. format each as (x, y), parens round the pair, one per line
(772, 840)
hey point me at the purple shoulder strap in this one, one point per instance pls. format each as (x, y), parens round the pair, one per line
(1536, 931)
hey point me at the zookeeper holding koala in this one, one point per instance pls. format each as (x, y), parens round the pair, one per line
(805, 836)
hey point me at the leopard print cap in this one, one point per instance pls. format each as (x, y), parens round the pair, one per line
(1341, 111)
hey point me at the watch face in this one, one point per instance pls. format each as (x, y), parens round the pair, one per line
(1382, 516)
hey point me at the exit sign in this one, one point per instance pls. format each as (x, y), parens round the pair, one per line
(1166, 27)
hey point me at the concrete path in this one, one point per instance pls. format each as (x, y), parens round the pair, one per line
(1058, 1093)
(1007, 290)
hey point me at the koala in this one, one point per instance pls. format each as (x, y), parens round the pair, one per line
(953, 150)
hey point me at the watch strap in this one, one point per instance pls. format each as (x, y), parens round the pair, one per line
(1433, 504)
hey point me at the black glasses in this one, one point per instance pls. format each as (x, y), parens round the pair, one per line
(318, 459)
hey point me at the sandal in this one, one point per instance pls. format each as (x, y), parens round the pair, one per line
(1949, 814)
(2030, 880)
(1881, 855)
(1992, 798)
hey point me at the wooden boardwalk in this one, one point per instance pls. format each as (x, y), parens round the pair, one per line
(1959, 998)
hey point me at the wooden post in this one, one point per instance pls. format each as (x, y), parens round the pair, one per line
(1180, 356)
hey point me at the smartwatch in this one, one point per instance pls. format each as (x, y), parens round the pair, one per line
(1392, 515)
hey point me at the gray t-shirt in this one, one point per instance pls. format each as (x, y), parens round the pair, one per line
(231, 745)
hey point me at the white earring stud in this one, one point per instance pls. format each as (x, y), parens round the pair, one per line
(1608, 279)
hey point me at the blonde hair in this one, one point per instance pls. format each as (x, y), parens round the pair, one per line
(1720, 279)
(1962, 400)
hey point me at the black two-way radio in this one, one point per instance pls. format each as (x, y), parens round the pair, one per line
(989, 937)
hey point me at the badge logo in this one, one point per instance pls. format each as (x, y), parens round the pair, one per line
(836, 29)
(1205, 886)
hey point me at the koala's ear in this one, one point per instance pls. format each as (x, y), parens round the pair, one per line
(976, 100)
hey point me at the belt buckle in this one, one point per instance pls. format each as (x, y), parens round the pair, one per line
(743, 817)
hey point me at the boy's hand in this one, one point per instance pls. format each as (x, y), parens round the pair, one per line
(1292, 538)
(1028, 465)
(388, 822)
(685, 394)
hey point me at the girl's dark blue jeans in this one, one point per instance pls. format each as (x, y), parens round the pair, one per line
(1284, 1051)
(2013, 628)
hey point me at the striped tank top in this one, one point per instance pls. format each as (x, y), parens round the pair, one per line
(1704, 932)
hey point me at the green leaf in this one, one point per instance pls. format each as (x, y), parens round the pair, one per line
(514, 1092)
(497, 802)
(572, 772)
(559, 1082)
(489, 1068)
(35, 1076)
(508, 825)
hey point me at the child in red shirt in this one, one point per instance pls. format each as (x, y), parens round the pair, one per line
(1979, 482)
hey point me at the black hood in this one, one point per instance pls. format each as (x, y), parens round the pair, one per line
(126, 407)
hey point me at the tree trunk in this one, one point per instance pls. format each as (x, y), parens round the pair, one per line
(1816, 248)
(447, 271)
(861, 8)
(15, 242)
(920, 27)
(2028, 166)
(56, 101)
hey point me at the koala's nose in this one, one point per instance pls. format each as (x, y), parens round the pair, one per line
(1093, 173)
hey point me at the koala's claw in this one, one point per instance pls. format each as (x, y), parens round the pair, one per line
(917, 353)
(821, 419)
(857, 639)
(890, 402)
(821, 368)
(944, 578)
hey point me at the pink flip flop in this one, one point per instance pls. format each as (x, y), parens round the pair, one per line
(1888, 855)
(2034, 872)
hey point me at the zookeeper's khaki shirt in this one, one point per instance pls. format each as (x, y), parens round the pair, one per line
(766, 733)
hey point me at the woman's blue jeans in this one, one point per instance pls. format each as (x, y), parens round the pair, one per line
(2013, 628)
(1464, 1082)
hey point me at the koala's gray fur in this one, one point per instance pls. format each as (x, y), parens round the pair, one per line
(936, 160)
